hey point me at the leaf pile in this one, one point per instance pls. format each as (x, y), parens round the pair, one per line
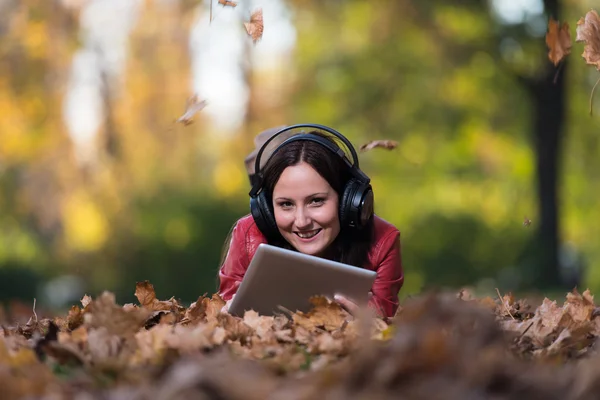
(437, 346)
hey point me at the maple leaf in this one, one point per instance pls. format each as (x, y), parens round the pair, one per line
(255, 27)
(384, 144)
(193, 106)
(558, 40)
(228, 3)
(588, 31)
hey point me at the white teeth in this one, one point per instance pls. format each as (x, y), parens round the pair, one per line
(307, 235)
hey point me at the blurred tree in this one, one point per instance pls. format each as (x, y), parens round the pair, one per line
(444, 79)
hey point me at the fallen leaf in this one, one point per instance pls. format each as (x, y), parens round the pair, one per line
(255, 27)
(558, 40)
(85, 301)
(324, 315)
(588, 31)
(228, 3)
(105, 313)
(144, 292)
(580, 306)
(385, 144)
(193, 105)
(262, 325)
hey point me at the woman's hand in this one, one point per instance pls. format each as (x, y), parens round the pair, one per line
(347, 304)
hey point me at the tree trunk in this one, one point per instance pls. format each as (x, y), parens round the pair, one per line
(548, 101)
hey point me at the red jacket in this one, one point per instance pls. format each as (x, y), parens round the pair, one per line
(384, 257)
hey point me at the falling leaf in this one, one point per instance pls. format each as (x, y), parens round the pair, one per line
(558, 40)
(526, 222)
(228, 3)
(193, 105)
(255, 26)
(588, 31)
(384, 144)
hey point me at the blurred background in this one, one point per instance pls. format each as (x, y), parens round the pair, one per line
(493, 183)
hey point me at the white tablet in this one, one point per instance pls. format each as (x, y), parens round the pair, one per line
(288, 278)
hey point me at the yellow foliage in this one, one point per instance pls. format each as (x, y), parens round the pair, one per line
(35, 39)
(228, 178)
(86, 228)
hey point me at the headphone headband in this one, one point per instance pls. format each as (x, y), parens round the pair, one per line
(354, 167)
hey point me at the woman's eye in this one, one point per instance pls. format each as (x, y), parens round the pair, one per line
(317, 201)
(285, 204)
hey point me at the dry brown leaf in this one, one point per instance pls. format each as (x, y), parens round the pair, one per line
(235, 328)
(214, 305)
(226, 3)
(588, 31)
(262, 325)
(193, 105)
(255, 27)
(144, 292)
(196, 311)
(105, 313)
(558, 40)
(324, 315)
(580, 306)
(384, 144)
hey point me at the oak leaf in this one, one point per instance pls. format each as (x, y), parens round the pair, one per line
(255, 26)
(588, 31)
(384, 144)
(558, 40)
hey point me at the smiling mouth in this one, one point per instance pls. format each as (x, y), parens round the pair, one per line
(308, 234)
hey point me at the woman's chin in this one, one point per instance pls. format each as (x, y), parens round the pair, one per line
(312, 249)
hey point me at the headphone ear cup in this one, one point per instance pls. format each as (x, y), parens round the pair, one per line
(356, 205)
(346, 203)
(262, 214)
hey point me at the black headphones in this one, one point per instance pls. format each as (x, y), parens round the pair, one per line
(356, 201)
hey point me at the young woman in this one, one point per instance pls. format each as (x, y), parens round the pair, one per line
(310, 198)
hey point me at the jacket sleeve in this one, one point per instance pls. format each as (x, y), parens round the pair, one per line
(390, 277)
(235, 265)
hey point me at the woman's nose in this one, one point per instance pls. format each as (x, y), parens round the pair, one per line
(302, 219)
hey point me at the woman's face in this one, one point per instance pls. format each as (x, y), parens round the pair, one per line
(306, 209)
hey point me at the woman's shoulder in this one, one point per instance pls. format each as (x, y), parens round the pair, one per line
(385, 238)
(247, 228)
(382, 229)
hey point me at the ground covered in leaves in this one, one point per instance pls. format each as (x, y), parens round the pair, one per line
(438, 346)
